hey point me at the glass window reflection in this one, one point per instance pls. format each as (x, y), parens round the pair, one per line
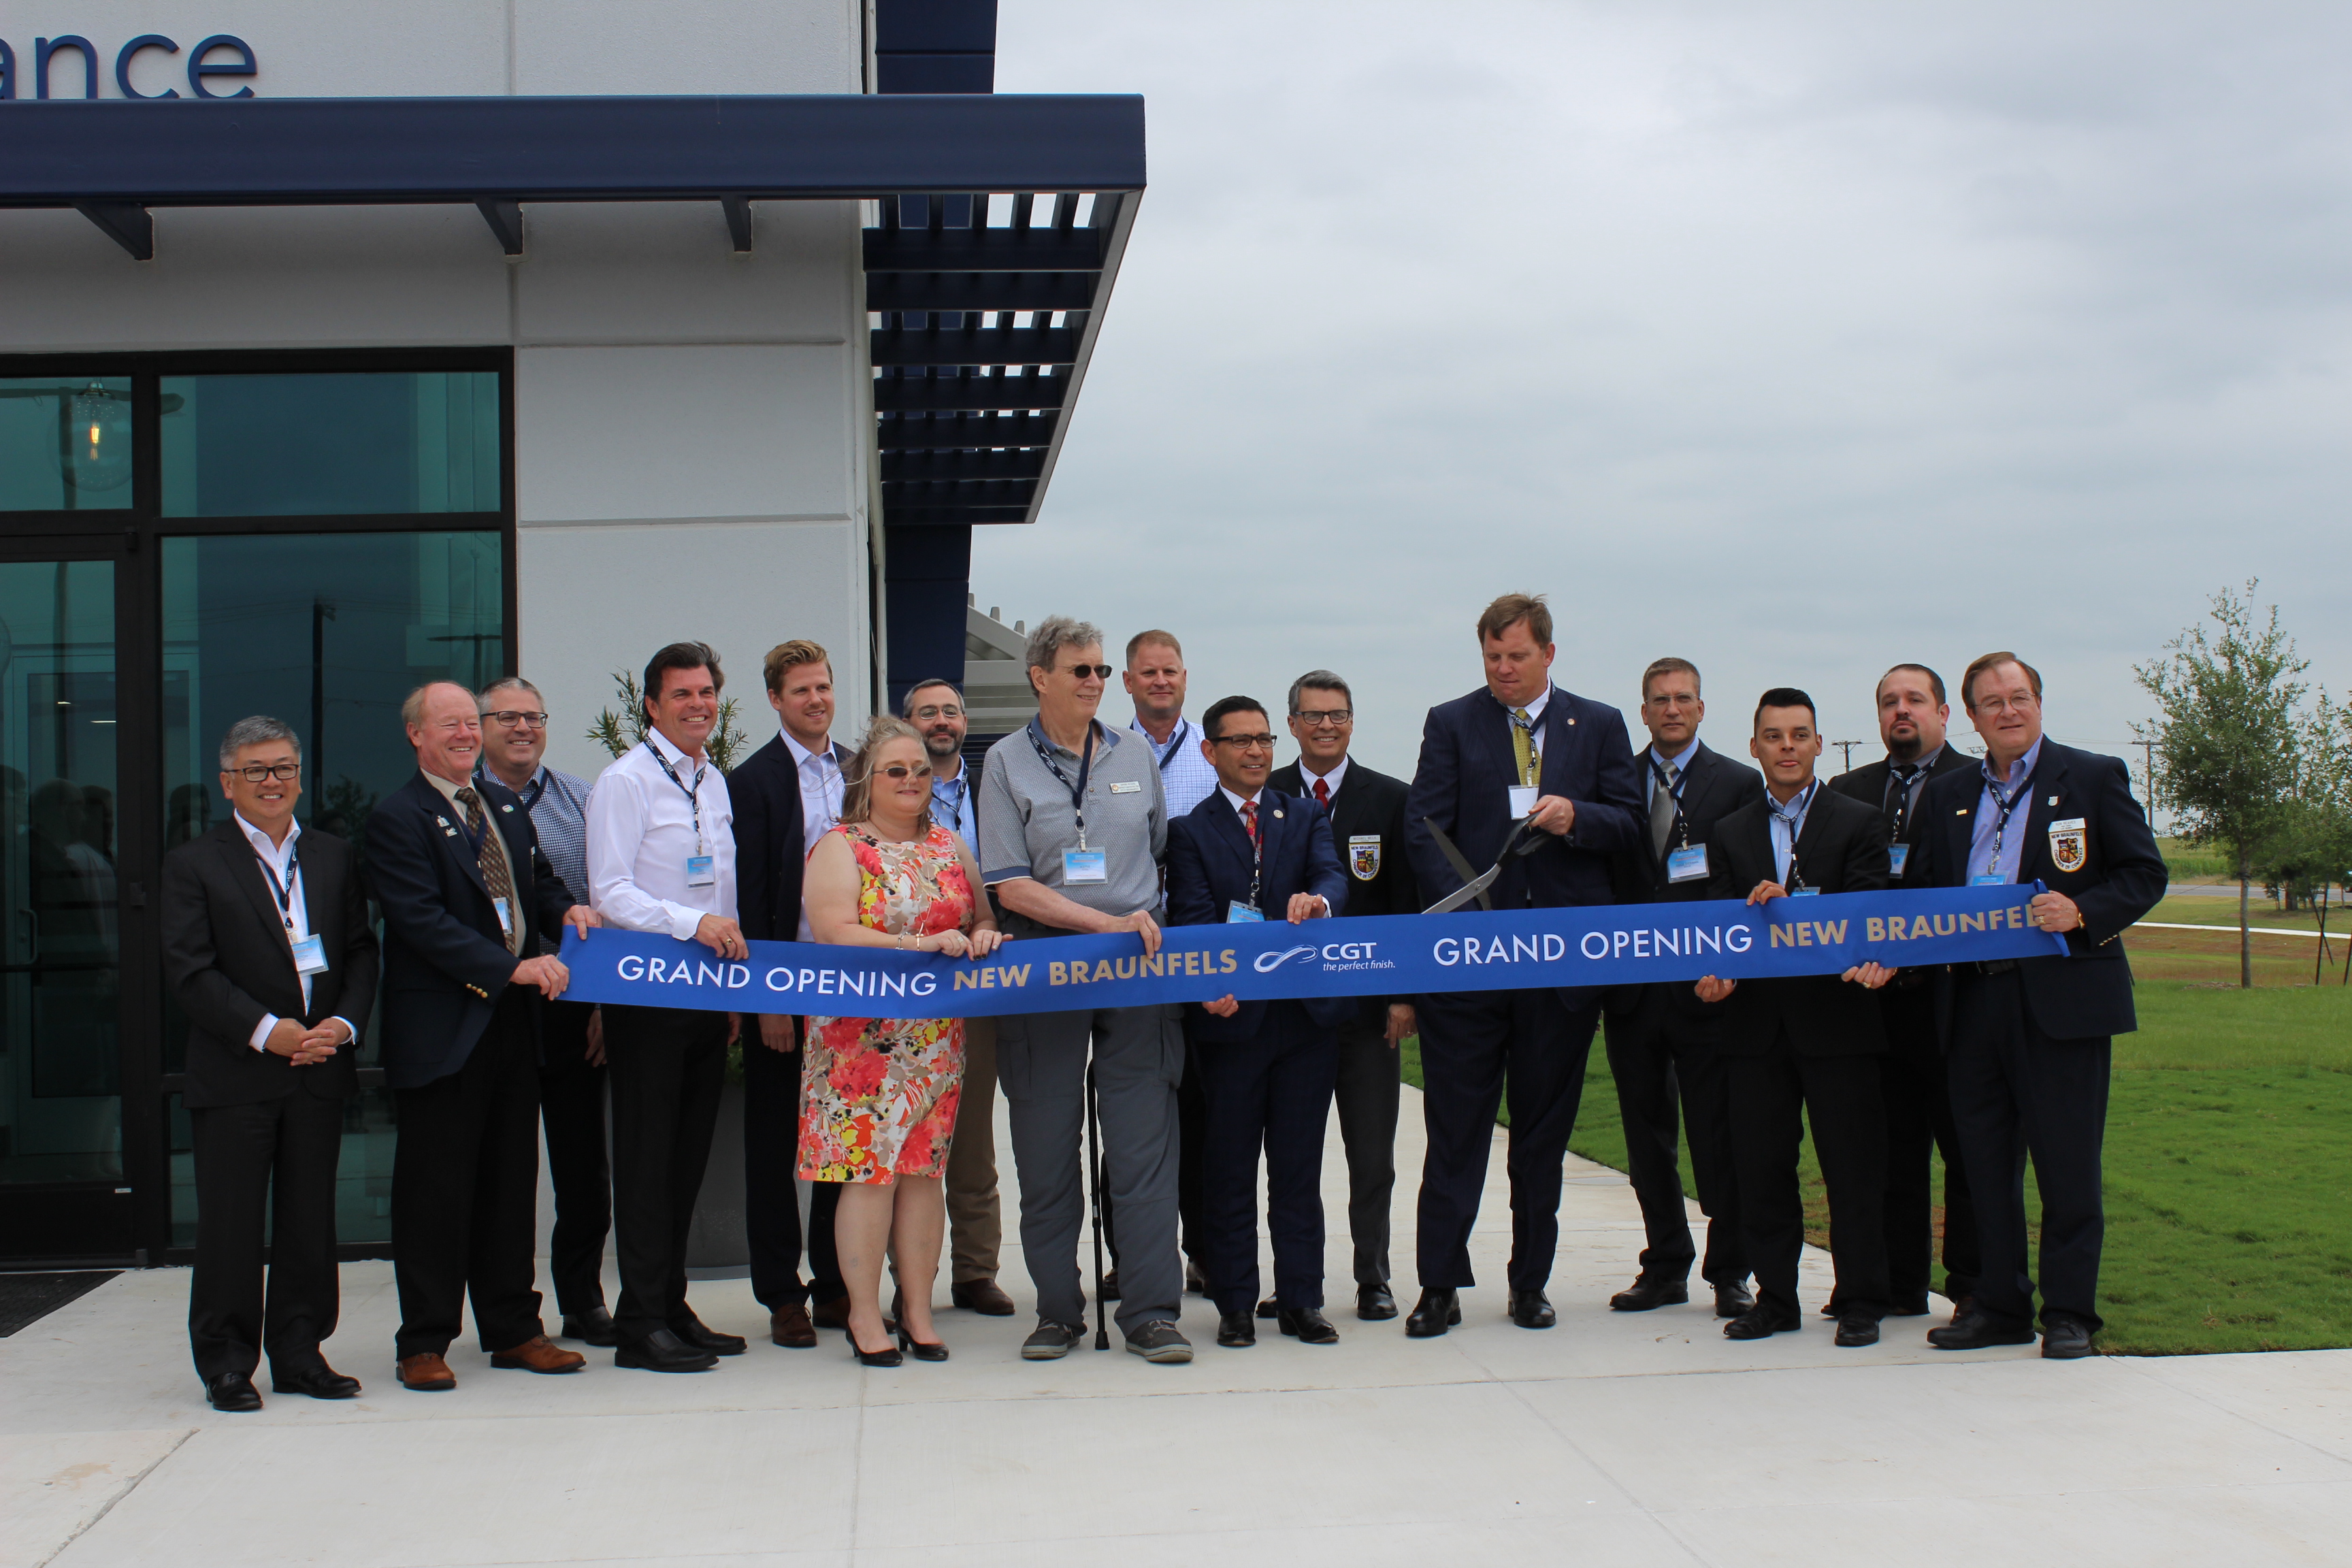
(65, 443)
(323, 444)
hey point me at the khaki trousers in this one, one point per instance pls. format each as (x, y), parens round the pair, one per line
(975, 1215)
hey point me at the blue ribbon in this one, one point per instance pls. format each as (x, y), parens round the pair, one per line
(1378, 956)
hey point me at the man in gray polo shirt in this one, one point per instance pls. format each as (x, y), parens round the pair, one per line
(1073, 825)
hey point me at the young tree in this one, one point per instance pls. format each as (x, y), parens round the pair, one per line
(2229, 735)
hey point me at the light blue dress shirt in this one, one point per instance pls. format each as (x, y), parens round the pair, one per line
(1982, 860)
(952, 804)
(1678, 765)
(1186, 776)
(1788, 823)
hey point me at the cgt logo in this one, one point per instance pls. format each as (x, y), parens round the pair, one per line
(1267, 963)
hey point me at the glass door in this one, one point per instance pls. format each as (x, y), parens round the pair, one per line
(65, 1189)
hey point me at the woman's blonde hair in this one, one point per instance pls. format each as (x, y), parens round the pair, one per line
(857, 779)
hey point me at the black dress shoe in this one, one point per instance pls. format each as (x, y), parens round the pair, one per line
(1979, 1331)
(1269, 1309)
(1649, 1291)
(692, 1331)
(2064, 1339)
(1910, 1306)
(1374, 1304)
(1761, 1322)
(1308, 1326)
(1531, 1310)
(320, 1381)
(233, 1391)
(889, 1355)
(594, 1326)
(1734, 1299)
(1436, 1311)
(1236, 1331)
(1853, 1331)
(1110, 1286)
(921, 1350)
(662, 1351)
(1196, 1283)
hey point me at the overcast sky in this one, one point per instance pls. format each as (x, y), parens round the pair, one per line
(1796, 340)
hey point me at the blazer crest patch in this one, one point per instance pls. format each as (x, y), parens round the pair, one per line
(1364, 856)
(2069, 845)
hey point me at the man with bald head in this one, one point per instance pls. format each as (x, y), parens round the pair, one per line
(466, 895)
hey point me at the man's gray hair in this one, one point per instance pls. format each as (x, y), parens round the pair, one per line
(1318, 680)
(906, 705)
(506, 683)
(257, 730)
(1055, 633)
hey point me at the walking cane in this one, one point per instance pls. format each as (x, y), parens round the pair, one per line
(1094, 1182)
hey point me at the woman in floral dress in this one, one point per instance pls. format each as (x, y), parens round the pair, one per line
(879, 1094)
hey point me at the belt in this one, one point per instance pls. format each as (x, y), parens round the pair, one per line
(1988, 966)
(1907, 979)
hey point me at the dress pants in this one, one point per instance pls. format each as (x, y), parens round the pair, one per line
(1367, 1096)
(1918, 1120)
(1663, 1083)
(279, 1155)
(772, 1193)
(2015, 1091)
(668, 1066)
(465, 1192)
(1138, 1058)
(975, 1211)
(1470, 1043)
(1270, 1092)
(1773, 1096)
(571, 1116)
(1191, 1120)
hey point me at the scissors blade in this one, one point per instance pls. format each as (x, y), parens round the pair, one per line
(1475, 887)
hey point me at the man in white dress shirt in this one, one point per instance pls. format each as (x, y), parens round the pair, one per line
(661, 858)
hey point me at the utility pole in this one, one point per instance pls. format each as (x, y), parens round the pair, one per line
(1847, 747)
(2148, 749)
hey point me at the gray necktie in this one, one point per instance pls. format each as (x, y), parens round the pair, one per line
(1661, 809)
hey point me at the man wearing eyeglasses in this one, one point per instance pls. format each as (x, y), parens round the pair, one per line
(2030, 1039)
(1073, 825)
(975, 1211)
(571, 1044)
(1367, 810)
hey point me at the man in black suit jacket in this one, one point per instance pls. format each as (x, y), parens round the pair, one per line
(267, 949)
(1662, 1041)
(1912, 718)
(455, 866)
(1804, 1048)
(1265, 1068)
(1367, 811)
(2030, 1039)
(774, 793)
(1518, 748)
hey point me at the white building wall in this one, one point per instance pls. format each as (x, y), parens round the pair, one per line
(690, 458)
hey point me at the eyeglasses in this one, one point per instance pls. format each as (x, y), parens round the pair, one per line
(283, 772)
(939, 710)
(1246, 743)
(1997, 706)
(898, 771)
(1099, 671)
(513, 718)
(1335, 717)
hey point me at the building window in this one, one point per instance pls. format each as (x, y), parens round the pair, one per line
(322, 444)
(65, 443)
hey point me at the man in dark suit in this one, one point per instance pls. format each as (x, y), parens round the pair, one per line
(267, 949)
(2031, 1038)
(455, 866)
(1367, 811)
(786, 795)
(1803, 1050)
(1518, 749)
(1912, 717)
(1266, 1069)
(1664, 1042)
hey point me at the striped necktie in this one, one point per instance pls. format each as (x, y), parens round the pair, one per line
(1523, 746)
(491, 859)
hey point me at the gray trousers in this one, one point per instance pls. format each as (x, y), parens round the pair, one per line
(1138, 1058)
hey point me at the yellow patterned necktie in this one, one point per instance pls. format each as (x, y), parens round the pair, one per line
(1523, 746)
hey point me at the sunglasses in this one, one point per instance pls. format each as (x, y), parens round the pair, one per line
(1099, 671)
(897, 771)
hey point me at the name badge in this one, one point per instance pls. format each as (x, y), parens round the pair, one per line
(1898, 857)
(1127, 787)
(1238, 912)
(1804, 892)
(506, 915)
(1990, 879)
(1083, 865)
(311, 956)
(1523, 801)
(701, 872)
(1686, 864)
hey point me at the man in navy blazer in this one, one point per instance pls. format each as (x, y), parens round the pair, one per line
(2030, 1039)
(1266, 1069)
(467, 893)
(1519, 748)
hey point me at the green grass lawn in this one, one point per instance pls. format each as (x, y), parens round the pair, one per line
(2228, 1170)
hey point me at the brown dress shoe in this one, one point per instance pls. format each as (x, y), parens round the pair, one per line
(790, 1327)
(539, 1354)
(832, 1314)
(983, 1296)
(427, 1372)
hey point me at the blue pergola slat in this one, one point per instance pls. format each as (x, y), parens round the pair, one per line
(295, 151)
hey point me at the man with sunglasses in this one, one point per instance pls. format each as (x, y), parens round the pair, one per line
(572, 1041)
(1073, 825)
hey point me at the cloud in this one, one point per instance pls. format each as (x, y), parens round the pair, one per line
(1793, 339)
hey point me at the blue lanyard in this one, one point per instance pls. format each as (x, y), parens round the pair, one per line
(2007, 806)
(1674, 793)
(1086, 764)
(693, 793)
(284, 892)
(1174, 740)
(1797, 830)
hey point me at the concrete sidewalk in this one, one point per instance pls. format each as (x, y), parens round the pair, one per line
(1610, 1439)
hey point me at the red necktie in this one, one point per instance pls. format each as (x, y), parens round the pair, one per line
(1249, 819)
(1322, 794)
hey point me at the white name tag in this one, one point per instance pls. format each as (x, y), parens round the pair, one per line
(506, 915)
(1686, 864)
(700, 872)
(1128, 787)
(2072, 825)
(311, 956)
(1085, 866)
(1523, 801)
(1238, 912)
(1898, 857)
